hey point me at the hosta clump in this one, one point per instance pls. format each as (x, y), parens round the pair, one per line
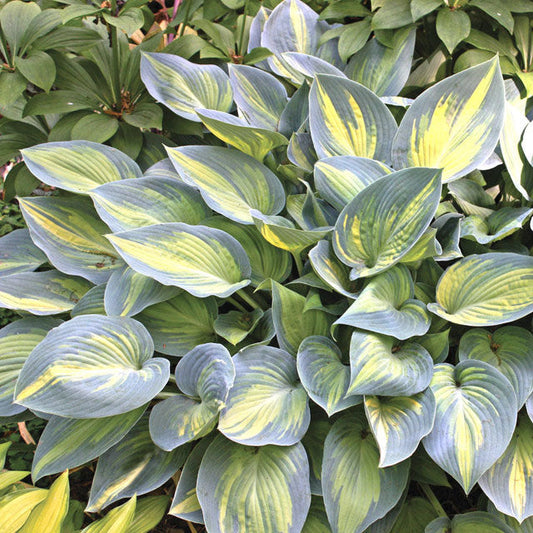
(309, 323)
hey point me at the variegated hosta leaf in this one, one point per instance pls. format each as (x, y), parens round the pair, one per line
(317, 520)
(91, 303)
(17, 340)
(238, 485)
(133, 466)
(150, 200)
(267, 404)
(455, 124)
(509, 482)
(42, 293)
(330, 270)
(341, 178)
(108, 359)
(118, 520)
(525, 527)
(425, 248)
(476, 522)
(448, 228)
(256, 142)
(386, 219)
(486, 290)
(267, 261)
(301, 151)
(180, 324)
(313, 442)
(414, 516)
(15, 507)
(204, 375)
(149, 511)
(399, 423)
(323, 374)
(296, 113)
(462, 442)
(235, 326)
(383, 69)
(70, 233)
(184, 86)
(292, 322)
(78, 166)
(345, 118)
(128, 293)
(386, 306)
(309, 65)
(496, 226)
(231, 182)
(529, 407)
(203, 261)
(19, 254)
(437, 344)
(259, 96)
(509, 349)
(356, 491)
(67, 442)
(382, 367)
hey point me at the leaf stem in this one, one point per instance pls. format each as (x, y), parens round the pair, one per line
(248, 299)
(185, 22)
(243, 25)
(165, 395)
(236, 304)
(116, 67)
(433, 499)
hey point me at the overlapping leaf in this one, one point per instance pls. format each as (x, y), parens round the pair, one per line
(19, 254)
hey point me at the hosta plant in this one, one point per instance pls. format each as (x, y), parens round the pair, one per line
(321, 319)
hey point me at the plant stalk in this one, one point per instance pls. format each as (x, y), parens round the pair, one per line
(185, 22)
(236, 304)
(433, 499)
(298, 261)
(248, 299)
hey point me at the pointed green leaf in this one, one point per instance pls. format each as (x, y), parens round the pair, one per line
(453, 125)
(356, 491)
(91, 303)
(16, 506)
(19, 254)
(203, 261)
(399, 423)
(235, 326)
(386, 306)
(293, 324)
(179, 324)
(267, 404)
(345, 118)
(386, 219)
(415, 515)
(317, 520)
(133, 466)
(109, 358)
(118, 520)
(448, 228)
(183, 86)
(95, 127)
(453, 26)
(231, 182)
(67, 442)
(486, 290)
(476, 522)
(69, 232)
(301, 151)
(204, 375)
(381, 366)
(323, 374)
(15, 19)
(468, 395)
(145, 201)
(78, 166)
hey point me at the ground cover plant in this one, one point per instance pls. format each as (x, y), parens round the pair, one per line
(316, 310)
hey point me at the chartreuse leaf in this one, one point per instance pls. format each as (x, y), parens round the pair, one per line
(78, 166)
(267, 404)
(204, 375)
(17, 340)
(19, 254)
(386, 306)
(386, 219)
(453, 125)
(203, 261)
(384, 70)
(509, 349)
(150, 200)
(128, 293)
(237, 484)
(109, 357)
(259, 96)
(133, 466)
(293, 324)
(15, 507)
(381, 366)
(118, 520)
(509, 482)
(476, 522)
(149, 512)
(48, 516)
(42, 293)
(91, 303)
(70, 233)
(179, 324)
(486, 290)
(231, 182)
(340, 179)
(399, 423)
(345, 118)
(356, 491)
(323, 374)
(256, 142)
(184, 86)
(67, 442)
(235, 326)
(462, 442)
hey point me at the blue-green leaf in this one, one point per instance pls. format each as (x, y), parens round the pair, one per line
(19, 254)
